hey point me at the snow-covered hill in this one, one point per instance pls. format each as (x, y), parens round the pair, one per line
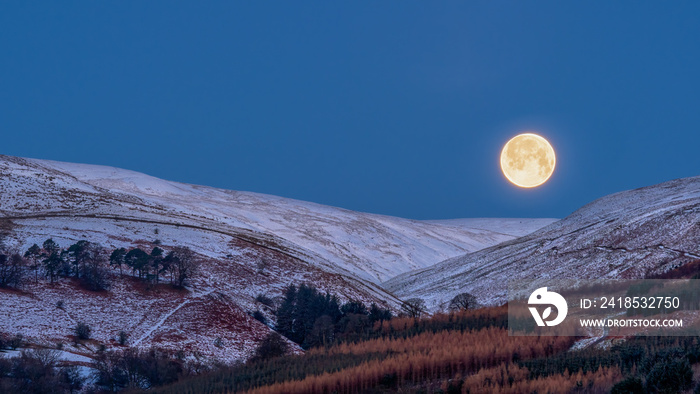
(372, 247)
(631, 234)
(251, 244)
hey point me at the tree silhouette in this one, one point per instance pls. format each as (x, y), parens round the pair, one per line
(463, 301)
(34, 254)
(414, 307)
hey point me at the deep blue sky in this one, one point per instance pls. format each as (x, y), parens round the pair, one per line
(398, 108)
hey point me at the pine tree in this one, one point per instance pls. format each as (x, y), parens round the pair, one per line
(50, 246)
(157, 262)
(78, 256)
(34, 254)
(117, 258)
(52, 264)
(286, 312)
(137, 260)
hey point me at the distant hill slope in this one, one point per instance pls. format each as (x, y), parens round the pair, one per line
(516, 227)
(631, 234)
(372, 247)
(250, 244)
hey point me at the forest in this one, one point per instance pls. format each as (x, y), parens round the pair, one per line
(349, 347)
(465, 351)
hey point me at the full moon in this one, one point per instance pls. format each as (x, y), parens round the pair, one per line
(527, 160)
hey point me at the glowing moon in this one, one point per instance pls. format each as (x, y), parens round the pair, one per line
(527, 160)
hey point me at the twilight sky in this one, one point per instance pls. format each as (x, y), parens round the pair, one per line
(393, 107)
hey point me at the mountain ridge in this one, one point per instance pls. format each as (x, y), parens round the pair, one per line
(629, 234)
(265, 214)
(251, 245)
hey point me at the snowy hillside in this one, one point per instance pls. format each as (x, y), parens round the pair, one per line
(251, 244)
(517, 227)
(630, 234)
(373, 247)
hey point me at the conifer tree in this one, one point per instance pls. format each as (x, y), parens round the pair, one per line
(34, 254)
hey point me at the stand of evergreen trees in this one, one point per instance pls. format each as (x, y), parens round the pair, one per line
(311, 318)
(89, 263)
(179, 265)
